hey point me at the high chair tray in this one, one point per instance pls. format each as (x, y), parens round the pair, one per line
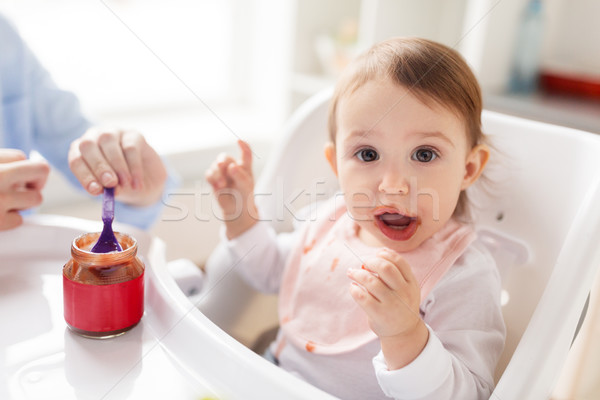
(175, 352)
(40, 358)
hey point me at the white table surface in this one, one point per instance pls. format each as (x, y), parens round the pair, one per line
(40, 358)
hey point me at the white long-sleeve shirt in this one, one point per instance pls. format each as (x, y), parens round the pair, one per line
(462, 313)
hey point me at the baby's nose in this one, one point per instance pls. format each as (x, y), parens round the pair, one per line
(394, 182)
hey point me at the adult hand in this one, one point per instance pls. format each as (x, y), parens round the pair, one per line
(21, 184)
(120, 159)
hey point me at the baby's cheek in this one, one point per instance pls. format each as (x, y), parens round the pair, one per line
(360, 203)
(436, 200)
(360, 213)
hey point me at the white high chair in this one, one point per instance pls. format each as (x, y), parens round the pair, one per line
(541, 223)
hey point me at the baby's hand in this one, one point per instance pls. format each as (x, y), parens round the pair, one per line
(233, 183)
(386, 289)
(388, 292)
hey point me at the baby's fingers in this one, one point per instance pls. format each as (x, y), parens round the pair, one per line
(368, 282)
(217, 174)
(246, 160)
(241, 177)
(223, 162)
(371, 305)
(362, 296)
(215, 178)
(393, 267)
(386, 272)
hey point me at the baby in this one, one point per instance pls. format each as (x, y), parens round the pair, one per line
(388, 292)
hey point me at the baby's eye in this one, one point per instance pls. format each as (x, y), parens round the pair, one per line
(424, 155)
(367, 155)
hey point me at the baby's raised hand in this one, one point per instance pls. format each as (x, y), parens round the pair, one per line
(386, 289)
(233, 183)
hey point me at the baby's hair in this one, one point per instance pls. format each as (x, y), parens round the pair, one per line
(431, 71)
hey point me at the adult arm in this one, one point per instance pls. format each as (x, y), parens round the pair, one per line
(37, 115)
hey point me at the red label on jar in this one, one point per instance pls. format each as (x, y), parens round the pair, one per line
(103, 308)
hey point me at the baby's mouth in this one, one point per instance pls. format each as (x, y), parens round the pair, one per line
(395, 221)
(396, 226)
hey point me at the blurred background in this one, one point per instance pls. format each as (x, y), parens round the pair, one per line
(196, 75)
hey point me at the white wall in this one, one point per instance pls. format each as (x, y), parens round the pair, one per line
(573, 36)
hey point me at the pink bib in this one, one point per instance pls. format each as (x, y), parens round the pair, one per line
(316, 310)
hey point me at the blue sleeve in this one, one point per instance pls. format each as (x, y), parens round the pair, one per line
(37, 115)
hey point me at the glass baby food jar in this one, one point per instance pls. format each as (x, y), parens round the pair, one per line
(103, 292)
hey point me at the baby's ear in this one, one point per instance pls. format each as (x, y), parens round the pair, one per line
(330, 156)
(475, 164)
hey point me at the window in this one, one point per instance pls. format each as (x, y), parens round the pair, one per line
(186, 73)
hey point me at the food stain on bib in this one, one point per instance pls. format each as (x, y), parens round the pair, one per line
(334, 264)
(309, 247)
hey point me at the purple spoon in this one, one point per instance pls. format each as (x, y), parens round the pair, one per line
(107, 241)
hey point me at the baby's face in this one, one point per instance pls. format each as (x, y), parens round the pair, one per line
(401, 164)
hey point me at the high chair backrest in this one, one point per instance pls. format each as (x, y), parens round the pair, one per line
(540, 218)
